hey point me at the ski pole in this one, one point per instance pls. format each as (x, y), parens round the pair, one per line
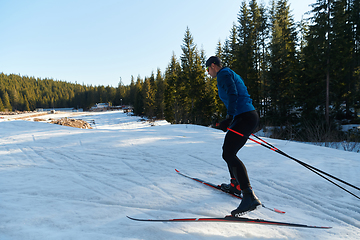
(311, 168)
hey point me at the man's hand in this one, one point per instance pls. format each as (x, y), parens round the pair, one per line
(226, 123)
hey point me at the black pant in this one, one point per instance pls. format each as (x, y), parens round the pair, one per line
(245, 124)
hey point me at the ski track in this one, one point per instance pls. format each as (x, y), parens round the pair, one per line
(89, 181)
(108, 185)
(302, 199)
(143, 181)
(205, 161)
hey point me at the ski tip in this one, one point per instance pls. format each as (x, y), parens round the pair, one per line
(279, 211)
(324, 227)
(136, 219)
(177, 170)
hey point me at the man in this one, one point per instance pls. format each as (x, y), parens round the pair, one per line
(242, 118)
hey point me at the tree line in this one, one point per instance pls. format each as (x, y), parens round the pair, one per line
(25, 93)
(300, 75)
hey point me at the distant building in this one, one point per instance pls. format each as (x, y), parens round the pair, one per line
(100, 107)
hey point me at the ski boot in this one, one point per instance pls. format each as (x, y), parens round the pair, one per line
(232, 187)
(249, 203)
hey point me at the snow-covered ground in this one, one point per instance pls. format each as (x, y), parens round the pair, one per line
(60, 182)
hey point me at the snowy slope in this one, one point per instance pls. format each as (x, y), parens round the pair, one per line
(59, 182)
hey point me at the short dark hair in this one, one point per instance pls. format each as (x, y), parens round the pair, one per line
(213, 59)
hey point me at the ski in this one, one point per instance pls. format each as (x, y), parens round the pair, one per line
(230, 219)
(218, 187)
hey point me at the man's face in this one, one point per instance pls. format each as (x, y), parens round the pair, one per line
(211, 70)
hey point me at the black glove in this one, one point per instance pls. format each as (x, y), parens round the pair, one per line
(226, 123)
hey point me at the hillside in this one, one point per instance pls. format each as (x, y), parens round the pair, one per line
(60, 182)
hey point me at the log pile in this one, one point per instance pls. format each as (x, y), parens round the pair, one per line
(72, 123)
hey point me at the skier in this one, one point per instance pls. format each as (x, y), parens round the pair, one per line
(241, 117)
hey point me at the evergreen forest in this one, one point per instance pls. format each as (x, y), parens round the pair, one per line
(303, 77)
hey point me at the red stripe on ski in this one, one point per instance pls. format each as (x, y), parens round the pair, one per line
(218, 187)
(230, 219)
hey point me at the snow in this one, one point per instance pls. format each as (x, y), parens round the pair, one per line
(59, 182)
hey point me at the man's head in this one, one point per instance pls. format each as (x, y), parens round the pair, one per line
(213, 65)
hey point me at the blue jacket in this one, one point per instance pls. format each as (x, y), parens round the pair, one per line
(233, 92)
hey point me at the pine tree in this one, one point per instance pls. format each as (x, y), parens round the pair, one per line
(6, 101)
(173, 99)
(343, 44)
(316, 63)
(283, 63)
(193, 75)
(15, 99)
(244, 52)
(186, 80)
(2, 108)
(139, 97)
(26, 104)
(219, 51)
(248, 55)
(355, 20)
(132, 91)
(148, 98)
(159, 95)
(262, 59)
(230, 50)
(119, 94)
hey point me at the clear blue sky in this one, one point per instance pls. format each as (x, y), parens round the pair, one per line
(97, 42)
